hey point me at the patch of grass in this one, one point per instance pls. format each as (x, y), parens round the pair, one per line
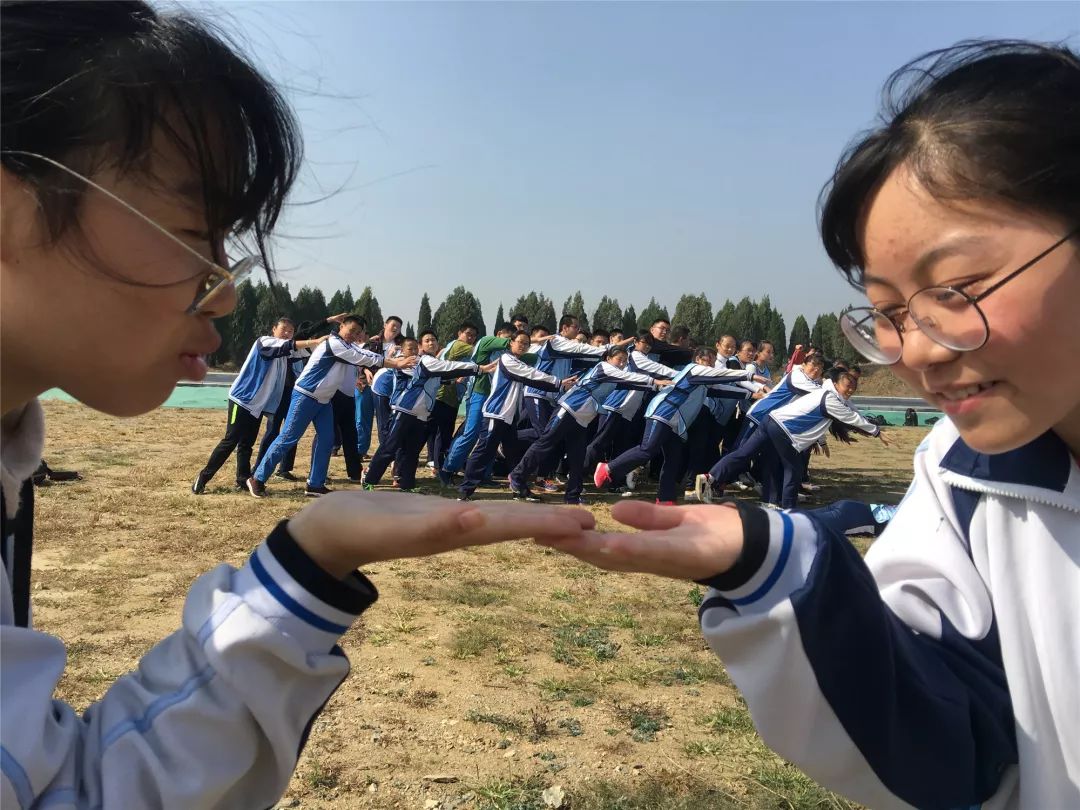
(643, 639)
(511, 794)
(688, 671)
(475, 594)
(696, 596)
(404, 620)
(788, 788)
(475, 640)
(624, 618)
(645, 720)
(576, 641)
(500, 721)
(562, 595)
(422, 698)
(539, 726)
(728, 719)
(321, 780)
(572, 726)
(578, 691)
(706, 748)
(663, 792)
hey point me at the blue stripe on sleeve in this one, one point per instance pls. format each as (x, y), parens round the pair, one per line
(778, 569)
(142, 724)
(291, 604)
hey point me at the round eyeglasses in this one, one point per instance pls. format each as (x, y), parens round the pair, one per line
(947, 315)
(216, 278)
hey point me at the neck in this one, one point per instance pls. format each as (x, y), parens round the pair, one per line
(1069, 431)
(19, 385)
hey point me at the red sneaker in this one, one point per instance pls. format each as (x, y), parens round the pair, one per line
(601, 477)
(665, 503)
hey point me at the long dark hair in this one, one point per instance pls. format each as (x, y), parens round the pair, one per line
(990, 120)
(90, 84)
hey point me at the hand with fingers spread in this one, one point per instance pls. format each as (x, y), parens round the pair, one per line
(346, 530)
(689, 542)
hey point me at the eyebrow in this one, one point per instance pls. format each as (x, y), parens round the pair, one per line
(950, 247)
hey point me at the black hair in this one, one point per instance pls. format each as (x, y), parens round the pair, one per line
(539, 328)
(992, 120)
(504, 327)
(724, 337)
(815, 360)
(660, 320)
(519, 317)
(356, 319)
(680, 332)
(646, 336)
(467, 325)
(743, 344)
(614, 351)
(567, 320)
(519, 333)
(90, 84)
(854, 368)
(393, 318)
(284, 319)
(606, 335)
(704, 351)
(425, 333)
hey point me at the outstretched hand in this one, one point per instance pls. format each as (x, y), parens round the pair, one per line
(348, 529)
(687, 542)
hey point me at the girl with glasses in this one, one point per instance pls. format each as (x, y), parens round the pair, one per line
(941, 671)
(138, 150)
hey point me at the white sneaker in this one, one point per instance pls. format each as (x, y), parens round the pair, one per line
(703, 491)
(631, 480)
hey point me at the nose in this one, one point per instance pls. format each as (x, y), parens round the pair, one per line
(220, 303)
(920, 352)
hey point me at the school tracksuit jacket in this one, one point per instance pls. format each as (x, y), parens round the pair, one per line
(941, 672)
(214, 716)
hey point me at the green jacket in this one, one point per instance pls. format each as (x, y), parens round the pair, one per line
(448, 392)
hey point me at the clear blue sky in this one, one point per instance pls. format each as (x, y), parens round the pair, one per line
(627, 149)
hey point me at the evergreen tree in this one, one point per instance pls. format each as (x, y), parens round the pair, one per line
(629, 321)
(267, 310)
(776, 332)
(800, 333)
(744, 321)
(608, 315)
(695, 313)
(423, 320)
(460, 305)
(653, 312)
(409, 333)
(341, 302)
(367, 307)
(244, 327)
(724, 322)
(500, 317)
(538, 308)
(311, 306)
(575, 305)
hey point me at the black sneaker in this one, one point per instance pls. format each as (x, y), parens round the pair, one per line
(201, 480)
(256, 487)
(576, 502)
(526, 494)
(315, 492)
(466, 497)
(285, 475)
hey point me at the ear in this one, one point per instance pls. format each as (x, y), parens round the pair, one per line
(17, 217)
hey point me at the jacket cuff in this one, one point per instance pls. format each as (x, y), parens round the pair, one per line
(284, 585)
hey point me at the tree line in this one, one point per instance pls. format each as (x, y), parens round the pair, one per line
(259, 304)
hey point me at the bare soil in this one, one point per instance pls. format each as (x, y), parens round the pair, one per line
(502, 671)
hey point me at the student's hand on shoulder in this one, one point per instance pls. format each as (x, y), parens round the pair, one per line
(685, 542)
(337, 318)
(488, 367)
(346, 530)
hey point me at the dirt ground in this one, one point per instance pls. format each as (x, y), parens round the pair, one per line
(480, 679)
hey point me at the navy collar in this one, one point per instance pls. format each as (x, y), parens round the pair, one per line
(1044, 462)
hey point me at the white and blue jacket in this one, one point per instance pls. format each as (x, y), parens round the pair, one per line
(508, 386)
(678, 405)
(259, 385)
(790, 387)
(428, 375)
(806, 419)
(627, 401)
(939, 672)
(382, 382)
(213, 715)
(332, 364)
(584, 400)
(723, 408)
(556, 357)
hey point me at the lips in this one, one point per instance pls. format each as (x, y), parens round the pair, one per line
(960, 393)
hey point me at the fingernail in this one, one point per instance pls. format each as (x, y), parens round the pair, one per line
(471, 520)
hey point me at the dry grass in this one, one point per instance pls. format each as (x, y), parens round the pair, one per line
(599, 682)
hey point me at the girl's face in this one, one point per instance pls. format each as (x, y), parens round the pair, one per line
(1023, 381)
(134, 342)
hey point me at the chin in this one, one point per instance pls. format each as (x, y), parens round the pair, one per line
(126, 401)
(1000, 434)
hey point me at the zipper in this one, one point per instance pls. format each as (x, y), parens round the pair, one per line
(969, 484)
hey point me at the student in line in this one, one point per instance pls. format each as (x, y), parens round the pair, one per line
(256, 391)
(331, 363)
(567, 431)
(668, 417)
(133, 144)
(941, 670)
(502, 408)
(387, 343)
(412, 408)
(622, 405)
(448, 400)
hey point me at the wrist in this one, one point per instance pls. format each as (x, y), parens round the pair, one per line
(319, 541)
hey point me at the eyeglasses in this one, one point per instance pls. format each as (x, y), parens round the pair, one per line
(217, 278)
(947, 315)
